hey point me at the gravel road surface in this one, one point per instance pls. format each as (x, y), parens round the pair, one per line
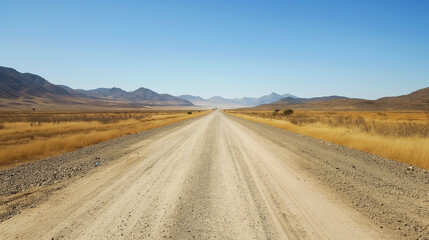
(215, 177)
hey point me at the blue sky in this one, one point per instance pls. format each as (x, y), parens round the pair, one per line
(366, 49)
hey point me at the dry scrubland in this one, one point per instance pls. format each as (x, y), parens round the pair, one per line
(28, 136)
(402, 136)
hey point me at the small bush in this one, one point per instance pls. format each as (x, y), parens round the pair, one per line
(189, 112)
(276, 110)
(288, 112)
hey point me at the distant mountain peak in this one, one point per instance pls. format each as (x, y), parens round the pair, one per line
(216, 97)
(116, 89)
(142, 89)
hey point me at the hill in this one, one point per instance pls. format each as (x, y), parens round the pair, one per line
(415, 101)
(14, 84)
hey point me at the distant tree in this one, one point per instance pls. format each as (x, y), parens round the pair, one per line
(288, 112)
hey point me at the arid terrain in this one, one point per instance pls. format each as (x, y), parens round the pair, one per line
(220, 120)
(402, 136)
(215, 176)
(29, 136)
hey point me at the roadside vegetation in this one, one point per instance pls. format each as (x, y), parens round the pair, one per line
(401, 136)
(29, 136)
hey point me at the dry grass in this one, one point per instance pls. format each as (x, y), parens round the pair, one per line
(399, 136)
(26, 137)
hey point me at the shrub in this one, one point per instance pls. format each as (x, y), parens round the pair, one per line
(189, 112)
(288, 112)
(276, 110)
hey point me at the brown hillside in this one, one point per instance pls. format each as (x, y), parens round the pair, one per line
(415, 101)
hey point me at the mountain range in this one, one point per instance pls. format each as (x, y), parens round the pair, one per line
(26, 90)
(19, 91)
(23, 90)
(220, 102)
(415, 101)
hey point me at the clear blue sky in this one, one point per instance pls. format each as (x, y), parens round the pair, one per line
(365, 49)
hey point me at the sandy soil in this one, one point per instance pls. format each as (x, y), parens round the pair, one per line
(215, 176)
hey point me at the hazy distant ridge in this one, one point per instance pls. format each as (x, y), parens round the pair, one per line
(220, 102)
(139, 95)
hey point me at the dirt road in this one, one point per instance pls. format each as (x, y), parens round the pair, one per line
(212, 177)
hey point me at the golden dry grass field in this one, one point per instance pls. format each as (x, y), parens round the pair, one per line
(401, 136)
(29, 136)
